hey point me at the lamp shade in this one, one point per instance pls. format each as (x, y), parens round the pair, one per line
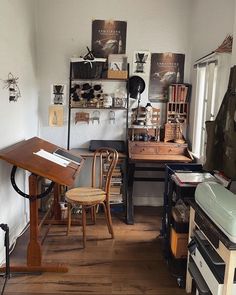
(136, 86)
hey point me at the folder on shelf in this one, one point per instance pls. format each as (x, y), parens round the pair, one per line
(194, 177)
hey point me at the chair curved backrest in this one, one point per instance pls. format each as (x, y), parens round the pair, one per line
(104, 163)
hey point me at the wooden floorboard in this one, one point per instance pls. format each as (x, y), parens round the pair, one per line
(131, 264)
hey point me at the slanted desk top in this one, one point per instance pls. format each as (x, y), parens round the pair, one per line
(22, 155)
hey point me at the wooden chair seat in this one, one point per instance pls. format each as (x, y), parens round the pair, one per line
(103, 165)
(85, 196)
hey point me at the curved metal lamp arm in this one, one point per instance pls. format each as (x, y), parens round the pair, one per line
(16, 188)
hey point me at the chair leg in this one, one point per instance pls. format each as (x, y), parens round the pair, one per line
(108, 219)
(93, 214)
(84, 225)
(69, 218)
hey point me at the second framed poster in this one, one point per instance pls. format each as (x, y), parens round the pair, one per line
(166, 69)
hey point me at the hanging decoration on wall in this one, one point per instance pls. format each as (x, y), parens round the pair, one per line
(58, 93)
(112, 117)
(12, 84)
(82, 117)
(96, 116)
(108, 37)
(141, 63)
(56, 115)
(141, 67)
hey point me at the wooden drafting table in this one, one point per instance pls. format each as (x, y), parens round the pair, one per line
(23, 155)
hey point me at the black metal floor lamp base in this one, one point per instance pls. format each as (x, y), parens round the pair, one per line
(5, 228)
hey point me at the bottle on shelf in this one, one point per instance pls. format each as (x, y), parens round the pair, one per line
(120, 46)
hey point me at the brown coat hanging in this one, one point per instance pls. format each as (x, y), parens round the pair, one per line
(221, 134)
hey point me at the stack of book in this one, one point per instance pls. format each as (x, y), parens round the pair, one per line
(116, 196)
(179, 92)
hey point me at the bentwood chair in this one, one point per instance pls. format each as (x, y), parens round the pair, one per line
(88, 198)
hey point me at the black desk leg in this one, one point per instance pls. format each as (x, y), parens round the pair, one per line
(129, 197)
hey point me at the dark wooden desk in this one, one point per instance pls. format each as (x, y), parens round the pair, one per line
(22, 155)
(150, 153)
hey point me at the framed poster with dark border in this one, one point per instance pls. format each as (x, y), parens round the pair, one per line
(108, 37)
(166, 69)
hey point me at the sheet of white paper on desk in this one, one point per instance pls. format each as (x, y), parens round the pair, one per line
(53, 158)
(194, 177)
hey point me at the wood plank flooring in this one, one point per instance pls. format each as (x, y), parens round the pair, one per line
(131, 264)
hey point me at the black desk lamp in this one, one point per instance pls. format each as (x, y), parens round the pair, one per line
(136, 88)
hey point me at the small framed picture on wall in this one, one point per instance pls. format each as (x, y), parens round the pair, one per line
(141, 63)
(58, 94)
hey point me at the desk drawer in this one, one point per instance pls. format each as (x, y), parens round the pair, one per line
(213, 284)
(215, 287)
(139, 149)
(168, 150)
(152, 148)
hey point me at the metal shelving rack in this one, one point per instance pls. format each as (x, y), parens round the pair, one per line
(70, 106)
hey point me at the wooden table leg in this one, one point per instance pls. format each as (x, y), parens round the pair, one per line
(230, 263)
(34, 253)
(56, 204)
(129, 200)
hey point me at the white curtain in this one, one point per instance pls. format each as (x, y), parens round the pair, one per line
(212, 74)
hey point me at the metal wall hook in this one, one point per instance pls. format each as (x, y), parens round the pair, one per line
(112, 117)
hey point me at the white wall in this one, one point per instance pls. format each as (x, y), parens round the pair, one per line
(212, 21)
(19, 120)
(64, 30)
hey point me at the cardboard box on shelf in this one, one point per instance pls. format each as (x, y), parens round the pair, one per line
(179, 243)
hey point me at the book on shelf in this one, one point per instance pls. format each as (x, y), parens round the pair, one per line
(115, 190)
(116, 182)
(179, 93)
(117, 178)
(116, 199)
